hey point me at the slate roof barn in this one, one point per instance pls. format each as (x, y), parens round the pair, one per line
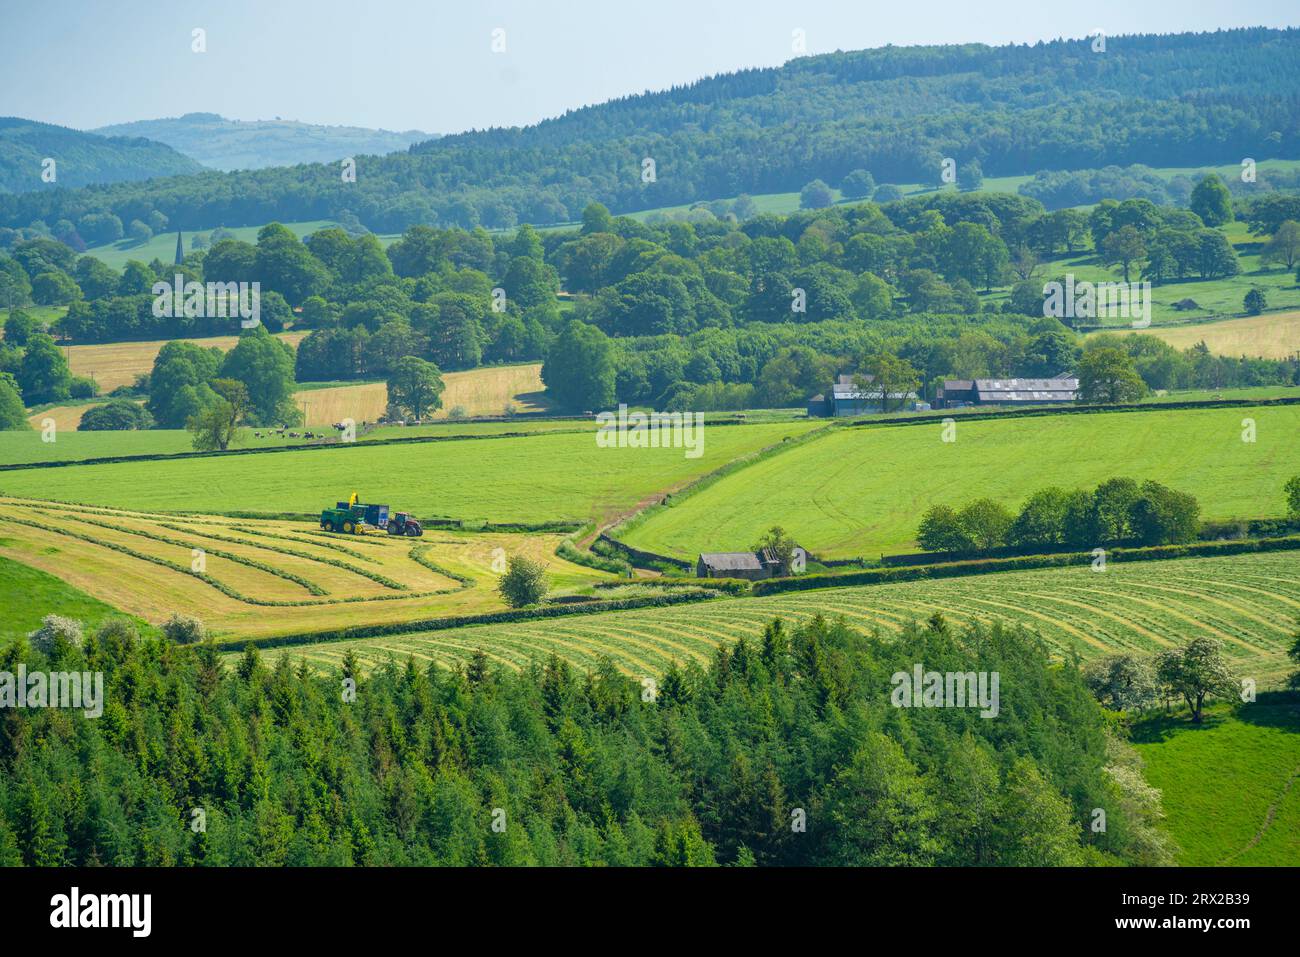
(750, 565)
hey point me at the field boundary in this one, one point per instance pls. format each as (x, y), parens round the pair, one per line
(466, 621)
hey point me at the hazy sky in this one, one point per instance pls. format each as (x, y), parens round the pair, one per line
(429, 64)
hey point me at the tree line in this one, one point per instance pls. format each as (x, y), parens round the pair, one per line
(785, 749)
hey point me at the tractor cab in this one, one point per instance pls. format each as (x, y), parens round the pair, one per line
(401, 523)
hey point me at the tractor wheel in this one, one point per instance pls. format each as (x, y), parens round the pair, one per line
(393, 529)
(349, 528)
(412, 531)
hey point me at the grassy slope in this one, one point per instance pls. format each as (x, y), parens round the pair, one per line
(27, 595)
(560, 476)
(1222, 779)
(861, 492)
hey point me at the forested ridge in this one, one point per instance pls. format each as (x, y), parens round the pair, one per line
(1183, 99)
(80, 158)
(786, 749)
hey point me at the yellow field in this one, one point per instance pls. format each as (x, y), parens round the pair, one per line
(1270, 336)
(66, 417)
(269, 577)
(485, 391)
(112, 364)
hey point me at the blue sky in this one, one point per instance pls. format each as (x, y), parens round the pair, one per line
(428, 64)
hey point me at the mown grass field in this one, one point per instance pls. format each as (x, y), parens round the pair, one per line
(279, 577)
(486, 391)
(1231, 786)
(862, 491)
(560, 476)
(1248, 602)
(28, 594)
(112, 364)
(1272, 335)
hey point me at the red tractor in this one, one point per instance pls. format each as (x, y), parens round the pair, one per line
(403, 524)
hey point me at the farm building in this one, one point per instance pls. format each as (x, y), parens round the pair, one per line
(959, 392)
(847, 398)
(751, 565)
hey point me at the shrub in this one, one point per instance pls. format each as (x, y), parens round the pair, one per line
(1292, 489)
(55, 635)
(524, 582)
(183, 629)
(1255, 302)
(82, 388)
(120, 415)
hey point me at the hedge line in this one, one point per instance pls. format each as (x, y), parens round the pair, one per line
(572, 553)
(877, 576)
(729, 586)
(462, 621)
(417, 555)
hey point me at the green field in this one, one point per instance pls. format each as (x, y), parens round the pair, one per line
(561, 476)
(861, 491)
(1231, 786)
(1248, 602)
(163, 246)
(27, 595)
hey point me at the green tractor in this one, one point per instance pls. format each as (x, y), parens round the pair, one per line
(353, 518)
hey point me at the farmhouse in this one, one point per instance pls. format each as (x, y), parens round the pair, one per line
(751, 565)
(956, 393)
(847, 398)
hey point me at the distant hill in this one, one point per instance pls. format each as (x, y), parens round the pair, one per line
(80, 159)
(1180, 100)
(224, 144)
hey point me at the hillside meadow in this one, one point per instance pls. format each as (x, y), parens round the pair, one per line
(860, 492)
(538, 478)
(1251, 752)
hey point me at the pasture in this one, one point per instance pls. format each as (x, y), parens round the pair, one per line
(1248, 602)
(28, 594)
(251, 578)
(546, 477)
(1250, 752)
(860, 492)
